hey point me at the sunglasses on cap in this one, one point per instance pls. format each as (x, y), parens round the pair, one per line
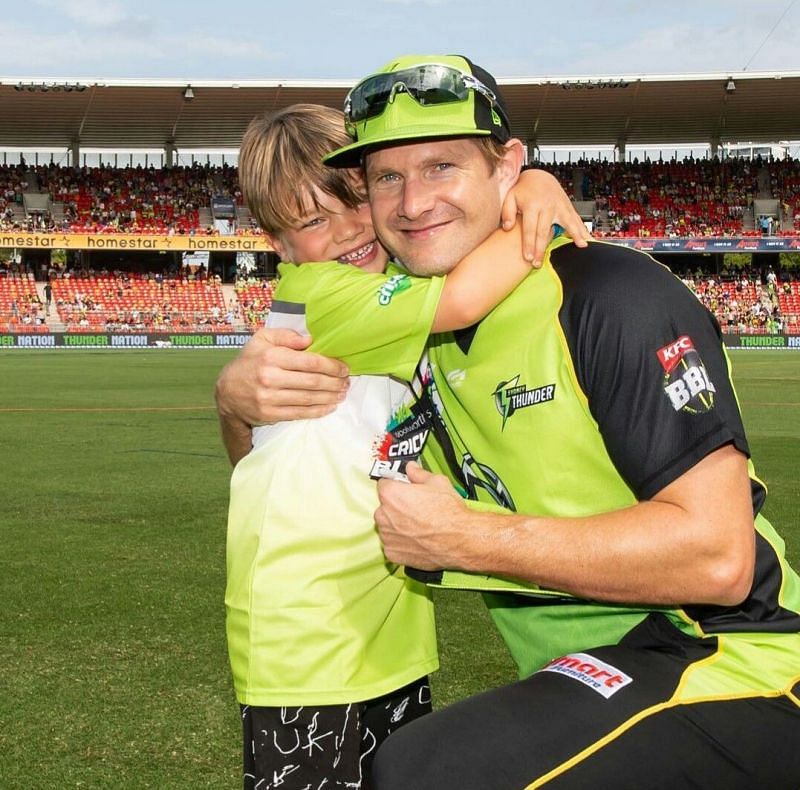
(429, 84)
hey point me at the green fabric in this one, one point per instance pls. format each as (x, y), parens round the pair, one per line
(376, 323)
(315, 614)
(556, 456)
(404, 119)
(746, 665)
(554, 461)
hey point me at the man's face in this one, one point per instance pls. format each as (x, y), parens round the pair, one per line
(433, 202)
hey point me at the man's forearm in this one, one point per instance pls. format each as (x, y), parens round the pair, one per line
(692, 543)
(654, 553)
(236, 436)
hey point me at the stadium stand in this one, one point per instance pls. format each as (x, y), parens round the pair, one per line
(669, 199)
(109, 200)
(254, 298)
(672, 199)
(744, 305)
(125, 302)
(20, 305)
(785, 186)
(691, 197)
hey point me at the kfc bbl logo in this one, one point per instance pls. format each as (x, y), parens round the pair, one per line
(686, 381)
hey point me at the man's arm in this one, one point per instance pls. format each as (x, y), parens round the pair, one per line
(693, 542)
(274, 379)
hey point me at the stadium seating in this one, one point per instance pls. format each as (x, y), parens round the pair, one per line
(671, 199)
(743, 306)
(124, 302)
(111, 200)
(684, 198)
(20, 306)
(139, 303)
(254, 298)
(692, 197)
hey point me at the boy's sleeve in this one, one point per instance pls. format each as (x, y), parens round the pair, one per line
(376, 323)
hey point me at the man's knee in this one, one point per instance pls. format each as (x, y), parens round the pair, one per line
(424, 755)
(392, 767)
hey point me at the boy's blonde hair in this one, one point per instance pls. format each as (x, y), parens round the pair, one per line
(280, 162)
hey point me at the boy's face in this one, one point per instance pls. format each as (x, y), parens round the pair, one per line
(331, 232)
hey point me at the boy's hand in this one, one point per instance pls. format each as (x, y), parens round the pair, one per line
(541, 201)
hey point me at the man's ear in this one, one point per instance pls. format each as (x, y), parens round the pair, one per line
(275, 242)
(510, 166)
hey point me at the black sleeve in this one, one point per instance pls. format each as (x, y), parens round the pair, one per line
(649, 358)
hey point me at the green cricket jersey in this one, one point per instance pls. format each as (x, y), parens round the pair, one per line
(599, 381)
(315, 613)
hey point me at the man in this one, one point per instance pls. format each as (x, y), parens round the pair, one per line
(654, 621)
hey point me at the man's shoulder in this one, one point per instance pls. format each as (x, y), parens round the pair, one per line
(605, 262)
(612, 276)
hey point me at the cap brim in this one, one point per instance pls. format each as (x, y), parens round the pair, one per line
(350, 155)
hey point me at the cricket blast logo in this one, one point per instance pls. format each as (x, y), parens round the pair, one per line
(402, 442)
(686, 381)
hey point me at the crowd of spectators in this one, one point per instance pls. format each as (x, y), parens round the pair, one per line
(254, 299)
(693, 197)
(747, 303)
(21, 308)
(785, 183)
(12, 187)
(121, 301)
(690, 197)
(117, 200)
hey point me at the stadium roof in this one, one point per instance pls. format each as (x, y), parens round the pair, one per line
(574, 111)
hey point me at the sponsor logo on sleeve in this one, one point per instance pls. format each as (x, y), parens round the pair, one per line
(686, 381)
(394, 285)
(599, 676)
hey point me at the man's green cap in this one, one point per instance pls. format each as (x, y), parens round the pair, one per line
(404, 120)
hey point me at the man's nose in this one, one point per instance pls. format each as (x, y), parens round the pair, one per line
(415, 200)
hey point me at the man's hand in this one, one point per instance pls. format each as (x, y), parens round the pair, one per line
(541, 201)
(693, 542)
(275, 379)
(421, 524)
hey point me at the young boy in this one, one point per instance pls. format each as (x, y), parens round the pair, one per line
(330, 644)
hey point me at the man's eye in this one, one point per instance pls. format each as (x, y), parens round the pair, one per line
(440, 166)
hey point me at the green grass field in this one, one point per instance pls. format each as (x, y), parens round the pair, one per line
(113, 669)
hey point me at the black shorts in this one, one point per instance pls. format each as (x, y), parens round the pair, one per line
(330, 746)
(660, 710)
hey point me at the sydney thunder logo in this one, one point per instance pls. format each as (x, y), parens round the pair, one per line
(511, 396)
